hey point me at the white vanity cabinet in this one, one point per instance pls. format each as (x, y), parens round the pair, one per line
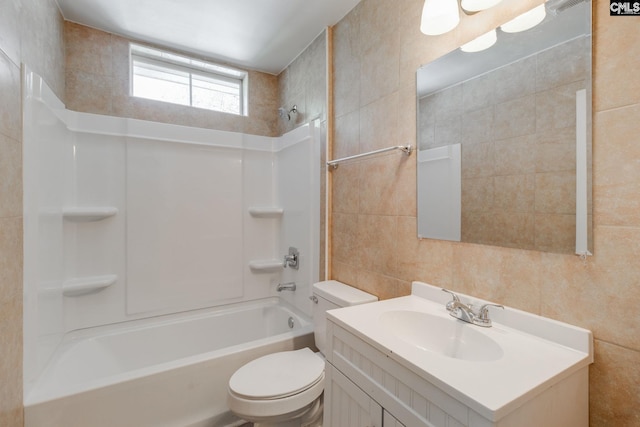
(378, 387)
(347, 405)
(372, 380)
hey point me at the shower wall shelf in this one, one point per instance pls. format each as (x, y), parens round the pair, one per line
(266, 266)
(406, 149)
(266, 212)
(87, 285)
(89, 214)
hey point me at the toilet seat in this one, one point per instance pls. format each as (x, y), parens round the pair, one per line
(277, 384)
(277, 375)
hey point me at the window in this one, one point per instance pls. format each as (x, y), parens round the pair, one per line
(168, 77)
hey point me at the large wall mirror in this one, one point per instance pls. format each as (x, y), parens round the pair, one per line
(504, 138)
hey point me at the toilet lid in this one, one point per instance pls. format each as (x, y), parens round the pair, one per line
(278, 375)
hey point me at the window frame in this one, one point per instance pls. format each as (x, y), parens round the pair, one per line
(193, 67)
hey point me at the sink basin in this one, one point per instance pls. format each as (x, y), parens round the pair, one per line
(442, 335)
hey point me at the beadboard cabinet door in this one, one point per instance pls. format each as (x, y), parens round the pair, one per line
(345, 404)
(389, 420)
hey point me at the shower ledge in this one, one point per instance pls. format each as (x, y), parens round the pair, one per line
(265, 265)
(88, 214)
(266, 211)
(87, 285)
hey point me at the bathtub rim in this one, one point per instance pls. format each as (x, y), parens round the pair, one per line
(38, 396)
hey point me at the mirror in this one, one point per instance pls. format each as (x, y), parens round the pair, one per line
(504, 138)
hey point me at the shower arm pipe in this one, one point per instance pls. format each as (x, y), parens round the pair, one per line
(406, 149)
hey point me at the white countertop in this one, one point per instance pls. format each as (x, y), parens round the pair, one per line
(537, 352)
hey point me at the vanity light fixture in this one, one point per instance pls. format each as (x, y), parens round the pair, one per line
(442, 16)
(439, 17)
(478, 5)
(482, 42)
(525, 21)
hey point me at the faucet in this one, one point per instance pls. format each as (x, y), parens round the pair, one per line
(289, 286)
(291, 259)
(466, 312)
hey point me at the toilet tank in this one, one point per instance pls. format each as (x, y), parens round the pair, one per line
(332, 294)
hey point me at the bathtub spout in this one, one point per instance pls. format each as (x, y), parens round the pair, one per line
(289, 286)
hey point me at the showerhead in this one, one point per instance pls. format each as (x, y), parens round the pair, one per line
(283, 113)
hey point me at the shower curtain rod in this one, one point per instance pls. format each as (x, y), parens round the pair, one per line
(406, 149)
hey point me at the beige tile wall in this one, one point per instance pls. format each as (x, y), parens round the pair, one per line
(97, 81)
(43, 51)
(304, 83)
(377, 49)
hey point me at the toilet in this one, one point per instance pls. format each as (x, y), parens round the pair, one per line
(285, 389)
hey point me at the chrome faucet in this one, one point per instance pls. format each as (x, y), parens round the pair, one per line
(289, 286)
(466, 312)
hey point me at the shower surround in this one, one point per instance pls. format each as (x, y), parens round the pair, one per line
(128, 219)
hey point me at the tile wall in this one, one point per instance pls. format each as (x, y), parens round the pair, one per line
(377, 49)
(42, 50)
(304, 83)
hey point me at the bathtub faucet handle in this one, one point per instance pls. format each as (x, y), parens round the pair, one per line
(291, 259)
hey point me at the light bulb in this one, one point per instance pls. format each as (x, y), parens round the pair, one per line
(483, 42)
(439, 17)
(525, 21)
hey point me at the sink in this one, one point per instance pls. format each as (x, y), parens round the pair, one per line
(441, 335)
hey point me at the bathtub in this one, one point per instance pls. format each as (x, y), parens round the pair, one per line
(164, 371)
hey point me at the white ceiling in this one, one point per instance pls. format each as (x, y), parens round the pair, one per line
(264, 35)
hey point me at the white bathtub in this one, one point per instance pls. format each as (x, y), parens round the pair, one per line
(165, 371)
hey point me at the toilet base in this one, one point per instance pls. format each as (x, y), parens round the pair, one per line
(311, 417)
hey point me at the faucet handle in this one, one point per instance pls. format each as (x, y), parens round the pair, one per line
(455, 297)
(483, 314)
(451, 304)
(291, 259)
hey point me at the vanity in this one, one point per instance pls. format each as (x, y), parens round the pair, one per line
(408, 362)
